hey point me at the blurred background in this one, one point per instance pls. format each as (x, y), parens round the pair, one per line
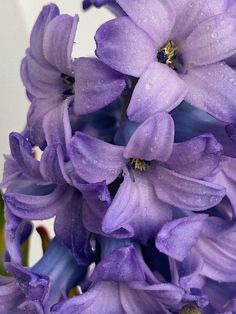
(16, 20)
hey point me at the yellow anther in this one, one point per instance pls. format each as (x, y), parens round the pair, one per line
(167, 53)
(139, 164)
(189, 309)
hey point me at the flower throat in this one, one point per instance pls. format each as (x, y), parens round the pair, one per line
(68, 85)
(170, 56)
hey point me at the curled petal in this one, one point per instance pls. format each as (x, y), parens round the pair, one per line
(177, 237)
(212, 41)
(21, 151)
(95, 160)
(211, 86)
(196, 158)
(96, 85)
(184, 192)
(158, 89)
(153, 139)
(121, 265)
(38, 205)
(197, 12)
(117, 48)
(58, 42)
(156, 18)
(48, 13)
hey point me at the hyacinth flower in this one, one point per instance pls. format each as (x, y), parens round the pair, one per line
(204, 259)
(174, 59)
(50, 75)
(30, 196)
(122, 283)
(157, 174)
(36, 289)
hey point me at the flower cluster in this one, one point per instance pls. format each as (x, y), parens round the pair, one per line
(138, 163)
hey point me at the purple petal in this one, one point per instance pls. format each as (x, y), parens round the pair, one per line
(164, 293)
(21, 151)
(212, 41)
(197, 158)
(211, 86)
(11, 172)
(56, 125)
(11, 297)
(227, 177)
(231, 132)
(124, 46)
(140, 302)
(121, 265)
(102, 298)
(38, 110)
(42, 81)
(16, 232)
(97, 200)
(135, 210)
(153, 139)
(222, 296)
(183, 192)
(95, 160)
(177, 237)
(33, 307)
(47, 14)
(37, 206)
(218, 252)
(34, 286)
(52, 165)
(152, 94)
(70, 230)
(197, 12)
(96, 85)
(156, 18)
(58, 42)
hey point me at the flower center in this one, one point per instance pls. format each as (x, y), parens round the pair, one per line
(169, 55)
(68, 85)
(138, 164)
(190, 309)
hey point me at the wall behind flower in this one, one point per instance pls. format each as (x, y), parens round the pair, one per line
(16, 20)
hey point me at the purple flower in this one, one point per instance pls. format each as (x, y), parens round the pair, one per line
(156, 175)
(174, 59)
(49, 74)
(210, 239)
(122, 283)
(30, 196)
(36, 289)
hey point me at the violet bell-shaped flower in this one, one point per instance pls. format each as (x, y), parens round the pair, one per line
(122, 283)
(49, 73)
(174, 59)
(36, 289)
(157, 174)
(31, 196)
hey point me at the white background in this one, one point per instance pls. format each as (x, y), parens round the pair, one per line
(16, 20)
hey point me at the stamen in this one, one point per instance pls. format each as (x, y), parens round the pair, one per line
(68, 82)
(138, 164)
(189, 309)
(167, 54)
